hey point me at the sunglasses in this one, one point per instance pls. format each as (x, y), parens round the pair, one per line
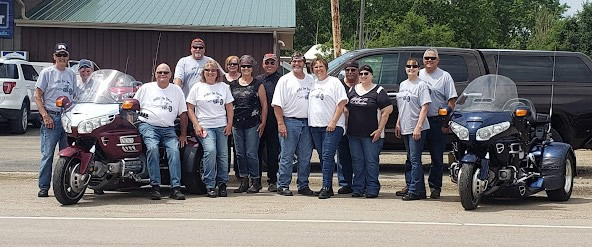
(351, 70)
(409, 66)
(162, 72)
(430, 58)
(210, 70)
(269, 62)
(61, 55)
(246, 66)
(364, 73)
(233, 64)
(198, 47)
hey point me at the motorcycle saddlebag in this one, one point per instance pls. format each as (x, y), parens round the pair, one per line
(553, 165)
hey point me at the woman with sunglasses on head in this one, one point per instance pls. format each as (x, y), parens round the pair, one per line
(326, 102)
(250, 116)
(210, 110)
(369, 108)
(413, 100)
(232, 69)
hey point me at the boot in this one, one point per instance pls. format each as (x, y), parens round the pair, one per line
(243, 187)
(255, 186)
(222, 190)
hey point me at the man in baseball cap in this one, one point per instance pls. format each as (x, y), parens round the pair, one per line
(188, 69)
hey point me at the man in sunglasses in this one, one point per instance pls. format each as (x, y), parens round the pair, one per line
(188, 69)
(161, 103)
(53, 82)
(269, 139)
(443, 93)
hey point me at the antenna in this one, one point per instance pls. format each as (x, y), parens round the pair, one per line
(126, 62)
(552, 89)
(156, 56)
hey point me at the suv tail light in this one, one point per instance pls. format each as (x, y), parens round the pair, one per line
(8, 86)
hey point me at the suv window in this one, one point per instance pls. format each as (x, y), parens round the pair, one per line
(455, 65)
(572, 69)
(385, 67)
(526, 68)
(8, 71)
(29, 72)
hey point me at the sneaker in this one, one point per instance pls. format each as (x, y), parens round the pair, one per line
(402, 192)
(435, 193)
(42, 193)
(325, 193)
(272, 187)
(99, 192)
(305, 191)
(212, 193)
(284, 192)
(222, 190)
(155, 194)
(345, 190)
(411, 197)
(177, 195)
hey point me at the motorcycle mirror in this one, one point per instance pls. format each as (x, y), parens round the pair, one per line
(130, 104)
(521, 111)
(62, 101)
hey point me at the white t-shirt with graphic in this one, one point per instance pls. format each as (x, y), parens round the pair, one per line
(323, 100)
(291, 94)
(210, 103)
(55, 83)
(441, 89)
(160, 106)
(411, 96)
(189, 69)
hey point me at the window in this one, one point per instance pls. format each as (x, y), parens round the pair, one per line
(526, 68)
(29, 72)
(572, 69)
(385, 67)
(8, 71)
(455, 65)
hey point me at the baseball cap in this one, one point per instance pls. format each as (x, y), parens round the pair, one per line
(61, 47)
(84, 63)
(269, 56)
(198, 40)
(351, 64)
(298, 55)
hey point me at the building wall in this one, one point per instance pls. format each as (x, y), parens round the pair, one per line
(137, 49)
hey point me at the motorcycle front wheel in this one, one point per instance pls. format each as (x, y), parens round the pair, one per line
(468, 198)
(68, 184)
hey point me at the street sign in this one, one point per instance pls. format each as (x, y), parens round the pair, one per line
(6, 19)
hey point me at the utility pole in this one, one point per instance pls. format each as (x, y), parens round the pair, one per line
(362, 10)
(336, 28)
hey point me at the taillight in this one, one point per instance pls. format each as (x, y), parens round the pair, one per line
(8, 86)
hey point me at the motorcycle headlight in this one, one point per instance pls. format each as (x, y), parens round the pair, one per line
(67, 124)
(89, 125)
(485, 133)
(460, 131)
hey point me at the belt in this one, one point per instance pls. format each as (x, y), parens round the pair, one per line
(301, 119)
(53, 112)
(435, 118)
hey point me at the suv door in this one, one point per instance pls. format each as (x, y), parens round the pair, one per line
(30, 76)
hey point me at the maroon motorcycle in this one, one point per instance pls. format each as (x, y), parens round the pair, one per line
(107, 152)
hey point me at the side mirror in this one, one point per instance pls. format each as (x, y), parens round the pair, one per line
(522, 111)
(62, 101)
(130, 105)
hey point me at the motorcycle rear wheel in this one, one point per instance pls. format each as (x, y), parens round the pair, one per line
(564, 193)
(68, 184)
(465, 187)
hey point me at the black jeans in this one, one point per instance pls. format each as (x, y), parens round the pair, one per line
(270, 140)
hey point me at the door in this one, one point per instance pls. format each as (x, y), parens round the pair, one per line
(30, 76)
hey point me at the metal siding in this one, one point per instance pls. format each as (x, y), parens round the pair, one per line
(111, 48)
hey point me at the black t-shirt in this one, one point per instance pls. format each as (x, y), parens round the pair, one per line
(364, 111)
(269, 83)
(247, 108)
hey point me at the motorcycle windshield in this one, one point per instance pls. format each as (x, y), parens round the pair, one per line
(488, 93)
(108, 87)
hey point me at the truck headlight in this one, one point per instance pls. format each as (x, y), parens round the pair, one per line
(485, 133)
(460, 131)
(89, 125)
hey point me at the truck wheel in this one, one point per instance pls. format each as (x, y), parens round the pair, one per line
(564, 193)
(193, 181)
(68, 184)
(19, 125)
(468, 197)
(556, 136)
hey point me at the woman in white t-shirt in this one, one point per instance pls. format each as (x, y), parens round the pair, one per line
(413, 100)
(326, 102)
(210, 111)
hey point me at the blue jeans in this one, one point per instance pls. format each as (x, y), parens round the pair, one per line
(215, 160)
(153, 136)
(365, 157)
(50, 138)
(326, 144)
(297, 142)
(414, 176)
(436, 144)
(246, 145)
(344, 163)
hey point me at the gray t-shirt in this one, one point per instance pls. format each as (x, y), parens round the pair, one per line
(441, 89)
(189, 70)
(411, 96)
(55, 83)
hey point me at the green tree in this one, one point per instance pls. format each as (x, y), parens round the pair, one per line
(577, 31)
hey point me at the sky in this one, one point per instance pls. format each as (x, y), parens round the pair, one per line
(575, 5)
